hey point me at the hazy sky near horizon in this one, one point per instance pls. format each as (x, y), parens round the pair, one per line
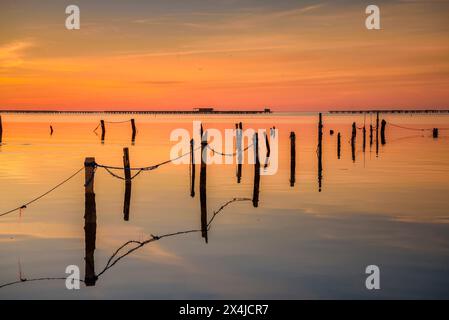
(285, 54)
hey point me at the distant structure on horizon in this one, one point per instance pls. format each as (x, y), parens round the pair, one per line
(200, 110)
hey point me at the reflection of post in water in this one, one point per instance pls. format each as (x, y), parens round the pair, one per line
(292, 159)
(90, 222)
(256, 171)
(267, 143)
(203, 198)
(353, 136)
(127, 170)
(103, 130)
(338, 145)
(364, 138)
(320, 151)
(382, 132)
(134, 131)
(377, 133)
(192, 170)
(239, 143)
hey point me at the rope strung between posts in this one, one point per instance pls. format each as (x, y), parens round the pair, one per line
(139, 169)
(415, 129)
(111, 122)
(42, 195)
(228, 154)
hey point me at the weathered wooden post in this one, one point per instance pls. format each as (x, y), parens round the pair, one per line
(127, 170)
(133, 127)
(382, 131)
(103, 130)
(239, 138)
(256, 171)
(338, 145)
(364, 138)
(292, 159)
(435, 132)
(90, 222)
(192, 171)
(320, 151)
(203, 195)
(377, 133)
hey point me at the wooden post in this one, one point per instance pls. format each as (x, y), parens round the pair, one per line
(364, 138)
(320, 151)
(382, 131)
(292, 159)
(239, 138)
(192, 171)
(1, 130)
(103, 130)
(51, 130)
(203, 180)
(127, 170)
(256, 171)
(435, 132)
(90, 222)
(338, 145)
(377, 133)
(133, 127)
(370, 135)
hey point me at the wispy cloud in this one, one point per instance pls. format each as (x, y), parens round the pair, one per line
(12, 54)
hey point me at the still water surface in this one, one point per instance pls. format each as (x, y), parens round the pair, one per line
(390, 209)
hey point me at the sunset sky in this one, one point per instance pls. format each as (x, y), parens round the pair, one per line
(230, 54)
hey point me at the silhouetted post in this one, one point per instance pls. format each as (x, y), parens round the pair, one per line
(338, 145)
(292, 159)
(103, 130)
(320, 151)
(239, 138)
(364, 138)
(370, 135)
(127, 170)
(434, 133)
(1, 129)
(51, 130)
(331, 132)
(192, 171)
(377, 133)
(133, 127)
(203, 197)
(382, 131)
(90, 222)
(256, 171)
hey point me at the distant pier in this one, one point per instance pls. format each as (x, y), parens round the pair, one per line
(389, 111)
(190, 112)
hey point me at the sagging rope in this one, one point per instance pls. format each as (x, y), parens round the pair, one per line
(228, 154)
(415, 129)
(115, 258)
(42, 195)
(111, 122)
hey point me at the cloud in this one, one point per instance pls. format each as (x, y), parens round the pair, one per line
(11, 54)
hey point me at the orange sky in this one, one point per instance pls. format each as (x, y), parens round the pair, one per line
(287, 55)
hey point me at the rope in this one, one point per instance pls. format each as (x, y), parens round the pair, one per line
(124, 121)
(113, 260)
(228, 154)
(409, 128)
(42, 195)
